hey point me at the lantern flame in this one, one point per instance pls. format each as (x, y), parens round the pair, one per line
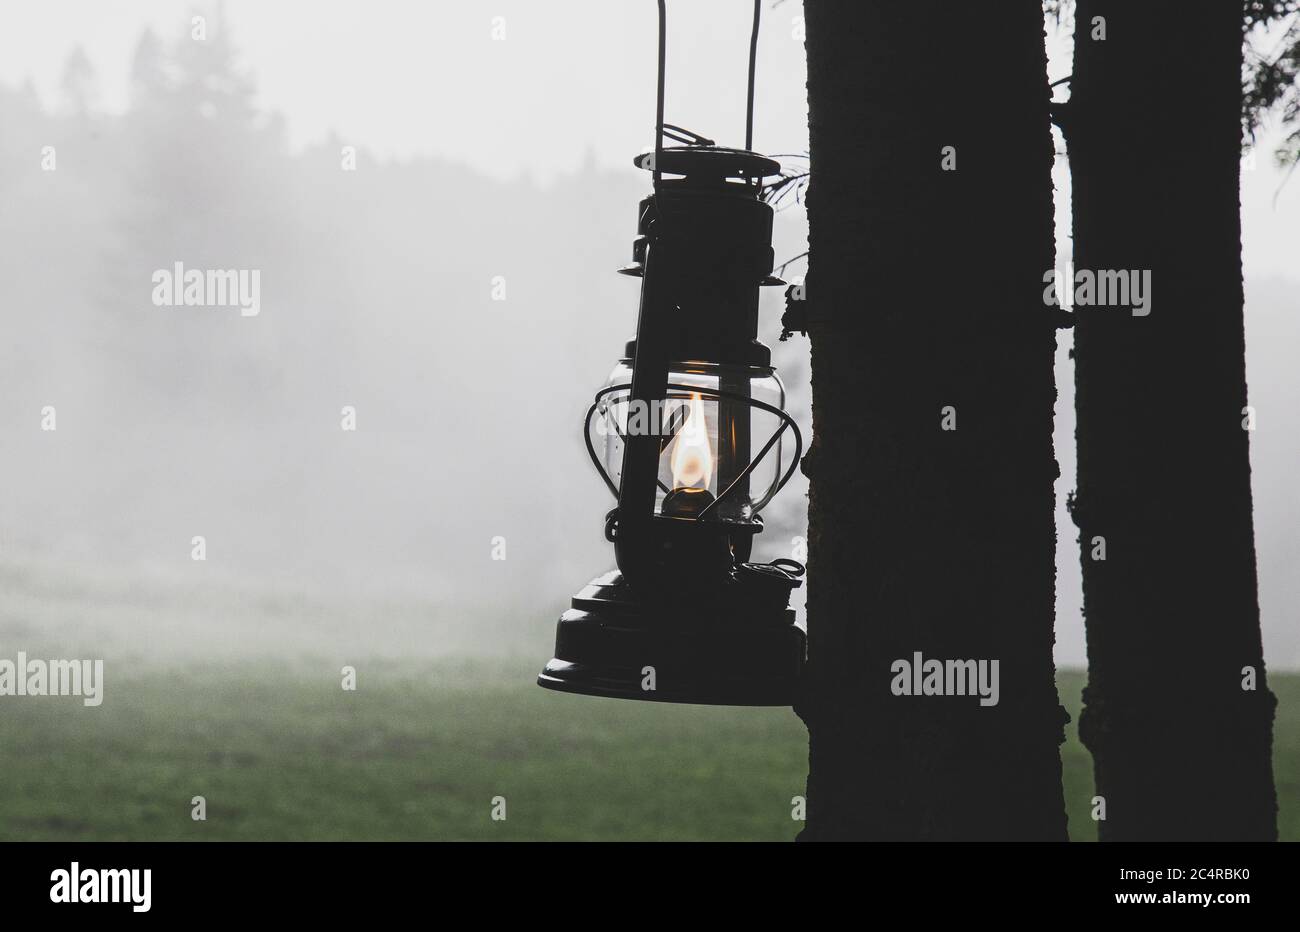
(692, 459)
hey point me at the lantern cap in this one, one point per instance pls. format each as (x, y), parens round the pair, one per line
(716, 163)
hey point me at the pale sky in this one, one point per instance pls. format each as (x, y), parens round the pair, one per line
(407, 77)
(410, 77)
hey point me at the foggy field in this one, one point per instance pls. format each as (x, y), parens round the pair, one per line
(419, 750)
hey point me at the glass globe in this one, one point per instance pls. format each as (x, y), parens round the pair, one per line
(716, 433)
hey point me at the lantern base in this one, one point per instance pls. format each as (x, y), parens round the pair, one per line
(738, 649)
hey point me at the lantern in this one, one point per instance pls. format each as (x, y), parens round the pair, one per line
(690, 436)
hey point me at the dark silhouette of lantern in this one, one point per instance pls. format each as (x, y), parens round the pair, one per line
(694, 432)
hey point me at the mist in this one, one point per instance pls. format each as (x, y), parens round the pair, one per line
(438, 266)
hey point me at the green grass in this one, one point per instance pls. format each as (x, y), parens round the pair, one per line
(418, 752)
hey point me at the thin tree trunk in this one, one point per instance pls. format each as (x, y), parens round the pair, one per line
(925, 293)
(1181, 750)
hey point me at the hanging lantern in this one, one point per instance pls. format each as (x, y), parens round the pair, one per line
(691, 437)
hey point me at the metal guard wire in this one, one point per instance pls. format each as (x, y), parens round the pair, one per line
(786, 422)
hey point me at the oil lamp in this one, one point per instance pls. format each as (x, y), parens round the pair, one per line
(693, 429)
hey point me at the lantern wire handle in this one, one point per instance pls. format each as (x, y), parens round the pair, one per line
(753, 60)
(659, 100)
(659, 90)
(676, 423)
(787, 423)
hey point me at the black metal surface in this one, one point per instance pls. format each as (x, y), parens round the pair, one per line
(729, 650)
(720, 231)
(709, 162)
(639, 480)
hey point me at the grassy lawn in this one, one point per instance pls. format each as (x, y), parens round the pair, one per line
(419, 752)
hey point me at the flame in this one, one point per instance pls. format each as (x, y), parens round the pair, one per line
(692, 459)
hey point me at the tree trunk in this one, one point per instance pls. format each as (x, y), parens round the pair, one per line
(1181, 750)
(925, 302)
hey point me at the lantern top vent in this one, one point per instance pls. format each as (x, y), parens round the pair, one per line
(709, 163)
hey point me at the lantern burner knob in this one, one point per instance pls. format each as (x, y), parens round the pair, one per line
(686, 502)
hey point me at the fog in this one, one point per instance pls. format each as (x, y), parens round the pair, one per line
(435, 215)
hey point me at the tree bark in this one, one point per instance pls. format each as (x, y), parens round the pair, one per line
(924, 293)
(1181, 750)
